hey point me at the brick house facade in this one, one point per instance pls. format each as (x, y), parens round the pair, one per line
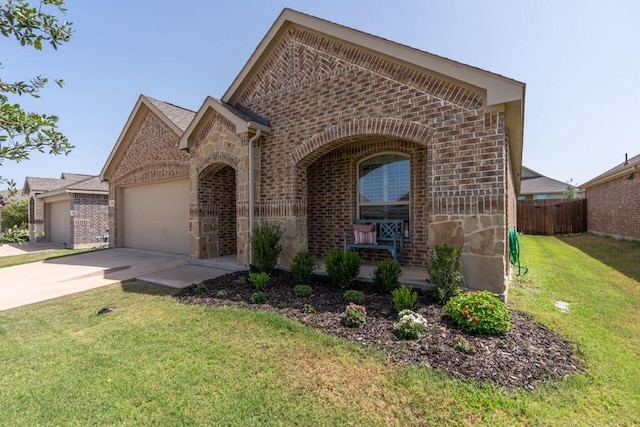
(71, 210)
(314, 102)
(613, 201)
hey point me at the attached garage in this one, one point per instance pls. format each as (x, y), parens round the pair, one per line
(58, 227)
(155, 216)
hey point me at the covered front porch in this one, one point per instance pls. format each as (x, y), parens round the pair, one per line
(414, 277)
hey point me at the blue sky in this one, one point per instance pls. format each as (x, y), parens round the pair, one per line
(579, 59)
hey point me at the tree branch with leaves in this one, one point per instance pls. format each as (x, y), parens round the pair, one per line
(22, 132)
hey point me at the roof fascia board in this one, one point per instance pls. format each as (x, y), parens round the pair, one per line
(129, 125)
(209, 104)
(499, 89)
(631, 167)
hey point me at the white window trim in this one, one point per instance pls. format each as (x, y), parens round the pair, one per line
(399, 203)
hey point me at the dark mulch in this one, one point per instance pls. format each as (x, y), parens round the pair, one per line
(527, 356)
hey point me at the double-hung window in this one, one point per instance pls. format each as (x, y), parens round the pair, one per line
(384, 187)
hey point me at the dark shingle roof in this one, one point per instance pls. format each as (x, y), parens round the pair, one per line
(179, 116)
(533, 182)
(71, 181)
(90, 184)
(245, 114)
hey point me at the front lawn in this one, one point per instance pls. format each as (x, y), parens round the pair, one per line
(154, 361)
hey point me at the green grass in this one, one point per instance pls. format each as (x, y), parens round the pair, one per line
(8, 261)
(153, 361)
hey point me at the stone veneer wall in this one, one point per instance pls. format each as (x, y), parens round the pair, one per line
(613, 207)
(218, 148)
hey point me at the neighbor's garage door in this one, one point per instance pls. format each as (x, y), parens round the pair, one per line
(59, 222)
(156, 216)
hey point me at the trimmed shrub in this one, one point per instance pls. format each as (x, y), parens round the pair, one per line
(302, 267)
(265, 242)
(355, 316)
(479, 312)
(404, 298)
(353, 296)
(342, 267)
(410, 325)
(257, 298)
(386, 276)
(259, 280)
(443, 267)
(308, 309)
(302, 290)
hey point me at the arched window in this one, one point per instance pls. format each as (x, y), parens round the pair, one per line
(384, 188)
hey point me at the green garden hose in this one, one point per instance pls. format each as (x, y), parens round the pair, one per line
(514, 251)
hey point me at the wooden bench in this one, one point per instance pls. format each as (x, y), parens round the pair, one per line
(389, 236)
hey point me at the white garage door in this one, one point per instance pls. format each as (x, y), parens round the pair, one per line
(156, 216)
(59, 222)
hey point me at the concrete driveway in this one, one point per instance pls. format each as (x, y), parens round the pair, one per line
(30, 283)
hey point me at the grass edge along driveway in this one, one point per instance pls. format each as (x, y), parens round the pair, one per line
(153, 361)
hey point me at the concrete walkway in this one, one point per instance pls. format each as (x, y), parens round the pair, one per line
(30, 283)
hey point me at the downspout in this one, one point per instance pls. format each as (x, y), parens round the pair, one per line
(251, 191)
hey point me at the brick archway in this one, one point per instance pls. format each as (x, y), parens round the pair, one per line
(327, 140)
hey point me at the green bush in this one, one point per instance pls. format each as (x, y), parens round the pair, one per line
(15, 215)
(14, 235)
(308, 309)
(353, 296)
(342, 267)
(461, 344)
(200, 288)
(386, 276)
(257, 298)
(259, 280)
(265, 242)
(404, 298)
(302, 290)
(302, 267)
(443, 267)
(355, 316)
(479, 312)
(410, 325)
(221, 294)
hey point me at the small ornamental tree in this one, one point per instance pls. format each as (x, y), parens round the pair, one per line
(22, 132)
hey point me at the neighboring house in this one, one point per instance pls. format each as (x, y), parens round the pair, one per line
(71, 210)
(614, 201)
(535, 186)
(323, 125)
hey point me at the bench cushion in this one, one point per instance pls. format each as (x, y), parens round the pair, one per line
(362, 228)
(364, 237)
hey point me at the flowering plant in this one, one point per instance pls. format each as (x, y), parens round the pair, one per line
(355, 316)
(479, 312)
(410, 325)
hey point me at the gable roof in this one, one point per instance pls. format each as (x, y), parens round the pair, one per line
(536, 183)
(241, 117)
(499, 90)
(628, 166)
(91, 184)
(175, 117)
(40, 185)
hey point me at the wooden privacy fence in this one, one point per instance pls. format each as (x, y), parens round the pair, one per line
(552, 216)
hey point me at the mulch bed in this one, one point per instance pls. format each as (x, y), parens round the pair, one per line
(528, 356)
